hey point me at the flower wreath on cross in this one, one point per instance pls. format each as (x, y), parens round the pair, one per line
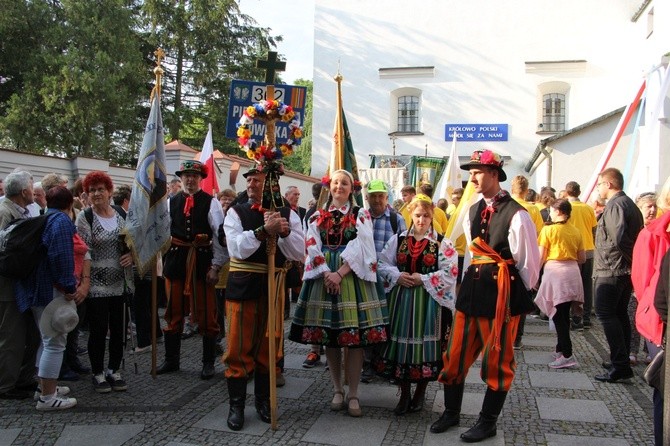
(267, 154)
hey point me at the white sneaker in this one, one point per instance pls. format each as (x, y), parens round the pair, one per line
(60, 391)
(556, 355)
(563, 362)
(56, 403)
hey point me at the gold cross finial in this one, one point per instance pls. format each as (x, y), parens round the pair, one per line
(160, 54)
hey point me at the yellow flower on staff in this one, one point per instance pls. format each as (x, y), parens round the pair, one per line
(243, 132)
(251, 154)
(297, 133)
(251, 111)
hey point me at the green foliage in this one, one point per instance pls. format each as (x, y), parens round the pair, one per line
(75, 75)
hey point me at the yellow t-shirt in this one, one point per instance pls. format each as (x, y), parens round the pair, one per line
(534, 214)
(583, 217)
(561, 241)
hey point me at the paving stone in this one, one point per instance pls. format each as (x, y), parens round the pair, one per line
(537, 341)
(216, 420)
(176, 443)
(343, 430)
(560, 380)
(294, 388)
(379, 395)
(537, 358)
(571, 440)
(537, 328)
(7, 436)
(99, 435)
(585, 411)
(453, 436)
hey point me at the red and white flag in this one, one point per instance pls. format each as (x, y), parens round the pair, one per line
(209, 184)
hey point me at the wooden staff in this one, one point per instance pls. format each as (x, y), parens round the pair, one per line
(272, 310)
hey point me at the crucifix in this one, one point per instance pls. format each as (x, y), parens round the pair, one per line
(275, 304)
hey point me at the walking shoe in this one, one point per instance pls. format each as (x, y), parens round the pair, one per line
(615, 376)
(116, 382)
(60, 391)
(139, 350)
(368, 374)
(311, 360)
(562, 362)
(280, 380)
(577, 326)
(556, 355)
(100, 384)
(518, 345)
(55, 402)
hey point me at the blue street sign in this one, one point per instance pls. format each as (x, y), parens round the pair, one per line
(476, 132)
(246, 93)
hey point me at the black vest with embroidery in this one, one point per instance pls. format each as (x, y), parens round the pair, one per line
(479, 290)
(186, 228)
(243, 285)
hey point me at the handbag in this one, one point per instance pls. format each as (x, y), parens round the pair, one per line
(654, 374)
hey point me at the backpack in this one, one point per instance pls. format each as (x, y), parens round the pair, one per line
(21, 248)
(88, 213)
(394, 220)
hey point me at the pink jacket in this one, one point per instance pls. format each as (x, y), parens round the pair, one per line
(650, 247)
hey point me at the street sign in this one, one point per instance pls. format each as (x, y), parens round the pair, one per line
(476, 132)
(246, 93)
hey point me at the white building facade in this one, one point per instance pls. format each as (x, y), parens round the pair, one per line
(534, 69)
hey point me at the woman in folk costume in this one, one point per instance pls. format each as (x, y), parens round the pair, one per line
(419, 268)
(561, 289)
(339, 305)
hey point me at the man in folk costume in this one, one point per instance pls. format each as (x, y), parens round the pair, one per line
(494, 293)
(192, 267)
(248, 226)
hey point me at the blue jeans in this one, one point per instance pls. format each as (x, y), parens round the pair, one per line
(50, 353)
(611, 298)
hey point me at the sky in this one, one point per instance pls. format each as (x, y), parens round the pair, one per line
(293, 20)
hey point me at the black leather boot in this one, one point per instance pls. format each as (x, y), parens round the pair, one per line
(405, 398)
(486, 424)
(237, 391)
(208, 355)
(453, 398)
(262, 394)
(172, 350)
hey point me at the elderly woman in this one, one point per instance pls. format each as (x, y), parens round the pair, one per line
(419, 268)
(338, 304)
(651, 245)
(111, 279)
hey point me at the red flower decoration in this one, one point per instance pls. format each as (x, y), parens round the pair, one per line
(429, 260)
(414, 373)
(325, 181)
(319, 260)
(375, 336)
(373, 267)
(311, 242)
(449, 252)
(401, 258)
(454, 271)
(325, 220)
(434, 280)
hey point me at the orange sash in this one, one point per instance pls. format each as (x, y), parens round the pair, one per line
(482, 254)
(200, 241)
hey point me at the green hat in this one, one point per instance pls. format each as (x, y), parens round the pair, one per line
(377, 186)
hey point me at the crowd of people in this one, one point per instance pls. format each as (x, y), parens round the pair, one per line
(382, 291)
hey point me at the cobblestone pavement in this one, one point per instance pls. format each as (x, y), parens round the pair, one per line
(544, 407)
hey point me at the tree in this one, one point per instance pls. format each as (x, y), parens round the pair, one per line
(301, 160)
(82, 90)
(208, 43)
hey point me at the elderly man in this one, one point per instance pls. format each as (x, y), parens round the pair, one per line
(248, 226)
(192, 267)
(19, 337)
(494, 293)
(616, 232)
(39, 204)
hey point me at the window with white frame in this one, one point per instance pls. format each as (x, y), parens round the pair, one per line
(408, 114)
(553, 112)
(405, 115)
